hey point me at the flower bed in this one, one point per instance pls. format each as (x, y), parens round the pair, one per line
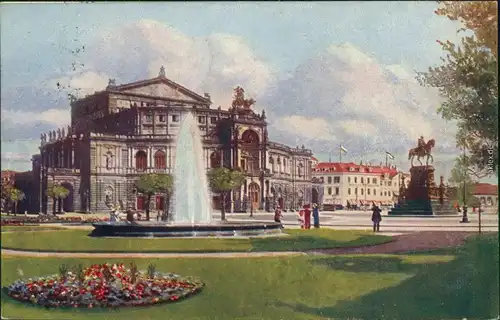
(104, 286)
(22, 221)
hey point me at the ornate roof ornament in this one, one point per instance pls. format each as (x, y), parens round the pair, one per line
(162, 74)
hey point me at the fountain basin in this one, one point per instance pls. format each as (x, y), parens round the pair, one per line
(157, 230)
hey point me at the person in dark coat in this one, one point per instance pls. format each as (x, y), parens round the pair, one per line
(315, 215)
(376, 217)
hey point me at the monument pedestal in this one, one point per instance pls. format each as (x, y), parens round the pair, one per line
(420, 196)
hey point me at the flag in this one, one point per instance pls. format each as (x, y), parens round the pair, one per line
(389, 154)
(343, 149)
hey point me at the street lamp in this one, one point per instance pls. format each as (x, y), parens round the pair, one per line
(464, 209)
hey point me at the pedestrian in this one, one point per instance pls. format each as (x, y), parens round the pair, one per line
(301, 218)
(376, 218)
(315, 214)
(307, 217)
(277, 214)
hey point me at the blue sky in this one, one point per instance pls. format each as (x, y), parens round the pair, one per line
(282, 41)
(284, 34)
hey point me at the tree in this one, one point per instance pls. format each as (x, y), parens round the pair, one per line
(165, 185)
(147, 186)
(468, 81)
(56, 192)
(153, 183)
(15, 195)
(461, 178)
(224, 180)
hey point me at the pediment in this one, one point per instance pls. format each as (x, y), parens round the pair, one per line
(162, 90)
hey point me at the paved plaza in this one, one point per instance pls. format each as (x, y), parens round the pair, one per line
(361, 220)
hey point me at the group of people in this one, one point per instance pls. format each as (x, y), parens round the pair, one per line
(304, 216)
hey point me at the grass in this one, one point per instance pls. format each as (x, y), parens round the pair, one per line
(79, 241)
(462, 284)
(29, 228)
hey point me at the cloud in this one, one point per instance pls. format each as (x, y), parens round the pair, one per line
(214, 64)
(53, 117)
(310, 128)
(82, 83)
(368, 106)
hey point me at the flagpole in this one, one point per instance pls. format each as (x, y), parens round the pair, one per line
(386, 159)
(340, 153)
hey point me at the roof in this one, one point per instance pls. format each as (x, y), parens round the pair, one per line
(485, 189)
(313, 158)
(160, 79)
(351, 167)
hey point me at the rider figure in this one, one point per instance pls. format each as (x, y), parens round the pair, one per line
(420, 143)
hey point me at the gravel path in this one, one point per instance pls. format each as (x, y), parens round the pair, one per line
(418, 241)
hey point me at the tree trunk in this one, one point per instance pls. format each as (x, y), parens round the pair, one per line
(223, 206)
(147, 207)
(166, 209)
(15, 207)
(54, 206)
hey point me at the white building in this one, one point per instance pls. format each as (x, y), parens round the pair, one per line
(353, 184)
(488, 196)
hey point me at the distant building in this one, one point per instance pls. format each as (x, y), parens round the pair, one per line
(125, 131)
(487, 195)
(358, 184)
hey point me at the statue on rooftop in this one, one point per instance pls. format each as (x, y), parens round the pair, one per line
(161, 74)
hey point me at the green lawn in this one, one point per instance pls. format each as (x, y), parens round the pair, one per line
(79, 241)
(461, 285)
(28, 228)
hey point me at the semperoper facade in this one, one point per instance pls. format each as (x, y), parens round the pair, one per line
(124, 131)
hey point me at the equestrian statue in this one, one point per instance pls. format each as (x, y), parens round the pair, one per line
(423, 149)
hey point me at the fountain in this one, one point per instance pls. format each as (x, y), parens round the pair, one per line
(191, 205)
(191, 201)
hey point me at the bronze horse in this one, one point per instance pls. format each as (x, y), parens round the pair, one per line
(422, 152)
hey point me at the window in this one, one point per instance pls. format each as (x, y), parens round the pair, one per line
(361, 191)
(362, 180)
(355, 179)
(329, 190)
(389, 183)
(349, 191)
(141, 160)
(368, 191)
(201, 119)
(160, 160)
(374, 180)
(149, 117)
(374, 192)
(355, 190)
(336, 179)
(367, 180)
(337, 191)
(385, 193)
(175, 118)
(161, 118)
(348, 179)
(213, 120)
(329, 180)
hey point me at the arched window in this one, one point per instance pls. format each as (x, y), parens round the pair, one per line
(215, 160)
(160, 162)
(141, 160)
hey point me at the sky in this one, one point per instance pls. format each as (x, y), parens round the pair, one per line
(326, 73)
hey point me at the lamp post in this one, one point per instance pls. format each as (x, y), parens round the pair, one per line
(251, 197)
(464, 209)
